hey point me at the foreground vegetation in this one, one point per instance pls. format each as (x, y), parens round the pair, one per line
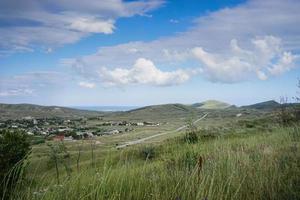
(257, 164)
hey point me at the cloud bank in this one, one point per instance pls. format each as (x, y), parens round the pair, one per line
(263, 39)
(30, 24)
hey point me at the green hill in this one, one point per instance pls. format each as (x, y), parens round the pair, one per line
(267, 105)
(157, 112)
(211, 104)
(17, 111)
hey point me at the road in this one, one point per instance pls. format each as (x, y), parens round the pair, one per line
(157, 135)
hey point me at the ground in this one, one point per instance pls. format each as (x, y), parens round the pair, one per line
(248, 156)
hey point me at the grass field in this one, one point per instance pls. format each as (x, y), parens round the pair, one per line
(235, 158)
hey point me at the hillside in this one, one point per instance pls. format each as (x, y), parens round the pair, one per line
(211, 104)
(153, 112)
(158, 112)
(267, 105)
(17, 111)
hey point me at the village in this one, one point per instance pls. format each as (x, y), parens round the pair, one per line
(71, 129)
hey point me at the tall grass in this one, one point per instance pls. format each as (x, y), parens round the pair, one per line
(257, 166)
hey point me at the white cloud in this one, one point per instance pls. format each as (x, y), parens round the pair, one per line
(86, 84)
(16, 92)
(284, 64)
(29, 84)
(261, 75)
(249, 23)
(34, 24)
(265, 56)
(93, 26)
(144, 72)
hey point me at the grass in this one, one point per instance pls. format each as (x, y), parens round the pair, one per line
(263, 164)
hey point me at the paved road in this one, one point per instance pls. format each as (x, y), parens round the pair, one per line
(157, 135)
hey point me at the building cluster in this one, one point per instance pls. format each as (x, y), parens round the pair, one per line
(70, 129)
(126, 123)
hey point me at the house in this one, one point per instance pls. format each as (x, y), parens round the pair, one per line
(151, 124)
(58, 138)
(30, 133)
(44, 133)
(28, 118)
(140, 123)
(64, 129)
(70, 138)
(88, 135)
(115, 131)
(111, 132)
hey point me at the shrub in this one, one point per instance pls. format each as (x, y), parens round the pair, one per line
(148, 152)
(191, 137)
(191, 132)
(14, 147)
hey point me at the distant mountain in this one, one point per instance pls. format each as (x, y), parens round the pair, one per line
(17, 111)
(211, 104)
(267, 105)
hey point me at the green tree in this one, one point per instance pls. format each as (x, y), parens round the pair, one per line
(14, 147)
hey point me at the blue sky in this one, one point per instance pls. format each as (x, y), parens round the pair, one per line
(141, 52)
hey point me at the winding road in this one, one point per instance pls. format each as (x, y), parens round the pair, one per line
(133, 142)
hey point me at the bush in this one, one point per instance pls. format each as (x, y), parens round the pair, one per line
(191, 132)
(14, 147)
(191, 137)
(148, 153)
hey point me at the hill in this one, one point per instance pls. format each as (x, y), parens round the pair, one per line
(157, 112)
(17, 111)
(211, 104)
(267, 105)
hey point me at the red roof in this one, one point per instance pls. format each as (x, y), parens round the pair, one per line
(59, 137)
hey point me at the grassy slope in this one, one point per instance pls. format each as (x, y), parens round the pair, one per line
(255, 165)
(267, 105)
(17, 111)
(158, 113)
(211, 104)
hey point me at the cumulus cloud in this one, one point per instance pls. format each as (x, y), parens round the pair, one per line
(144, 72)
(266, 56)
(86, 84)
(32, 23)
(248, 28)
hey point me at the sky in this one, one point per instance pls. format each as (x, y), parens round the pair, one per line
(145, 52)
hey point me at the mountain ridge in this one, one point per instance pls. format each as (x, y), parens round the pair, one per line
(9, 111)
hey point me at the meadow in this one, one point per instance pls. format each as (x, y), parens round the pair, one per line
(247, 158)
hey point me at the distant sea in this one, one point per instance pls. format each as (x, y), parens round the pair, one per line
(106, 108)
